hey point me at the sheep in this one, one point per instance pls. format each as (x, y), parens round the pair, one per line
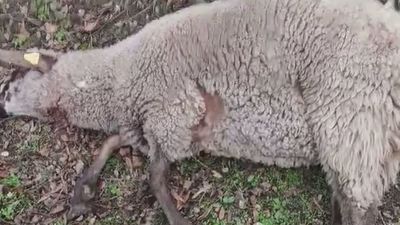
(279, 82)
(394, 3)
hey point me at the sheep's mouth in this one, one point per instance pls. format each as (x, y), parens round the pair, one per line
(5, 85)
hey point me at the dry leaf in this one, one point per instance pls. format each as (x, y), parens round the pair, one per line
(216, 174)
(181, 199)
(3, 172)
(90, 26)
(137, 161)
(35, 219)
(50, 28)
(44, 151)
(124, 151)
(204, 189)
(64, 138)
(187, 184)
(57, 209)
(221, 213)
(79, 166)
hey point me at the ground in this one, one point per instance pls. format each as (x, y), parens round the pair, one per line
(38, 166)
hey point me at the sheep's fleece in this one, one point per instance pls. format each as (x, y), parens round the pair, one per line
(301, 83)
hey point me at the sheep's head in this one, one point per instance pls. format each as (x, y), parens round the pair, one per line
(22, 92)
(21, 96)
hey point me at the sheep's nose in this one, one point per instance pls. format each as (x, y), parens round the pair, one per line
(3, 113)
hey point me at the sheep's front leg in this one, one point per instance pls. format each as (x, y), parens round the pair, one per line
(85, 188)
(159, 171)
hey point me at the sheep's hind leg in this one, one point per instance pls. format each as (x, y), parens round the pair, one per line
(345, 210)
(336, 218)
(159, 171)
(85, 188)
(354, 215)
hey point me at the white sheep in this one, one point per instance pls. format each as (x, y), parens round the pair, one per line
(280, 82)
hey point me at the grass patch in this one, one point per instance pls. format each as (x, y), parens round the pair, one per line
(41, 8)
(112, 191)
(11, 181)
(115, 219)
(12, 202)
(113, 164)
(31, 144)
(20, 40)
(291, 199)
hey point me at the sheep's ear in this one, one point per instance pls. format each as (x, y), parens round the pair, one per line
(32, 60)
(45, 62)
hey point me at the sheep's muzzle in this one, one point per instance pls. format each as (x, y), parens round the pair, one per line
(5, 79)
(3, 113)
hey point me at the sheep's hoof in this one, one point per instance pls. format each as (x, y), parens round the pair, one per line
(182, 221)
(84, 193)
(77, 210)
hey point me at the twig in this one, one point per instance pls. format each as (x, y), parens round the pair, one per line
(5, 16)
(7, 119)
(202, 164)
(5, 222)
(19, 17)
(119, 15)
(383, 221)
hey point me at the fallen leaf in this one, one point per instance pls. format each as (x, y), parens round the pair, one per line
(44, 151)
(90, 26)
(92, 221)
(64, 138)
(124, 151)
(181, 199)
(137, 161)
(35, 219)
(187, 184)
(57, 209)
(221, 213)
(216, 174)
(50, 28)
(79, 166)
(204, 189)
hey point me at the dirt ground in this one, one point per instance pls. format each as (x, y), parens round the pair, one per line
(38, 166)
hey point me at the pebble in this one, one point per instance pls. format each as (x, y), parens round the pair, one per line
(5, 153)
(79, 166)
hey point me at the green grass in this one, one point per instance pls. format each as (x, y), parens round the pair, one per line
(113, 190)
(32, 144)
(116, 219)
(113, 164)
(41, 9)
(12, 181)
(59, 222)
(20, 40)
(290, 200)
(12, 202)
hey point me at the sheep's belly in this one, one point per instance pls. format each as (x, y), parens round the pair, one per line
(273, 137)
